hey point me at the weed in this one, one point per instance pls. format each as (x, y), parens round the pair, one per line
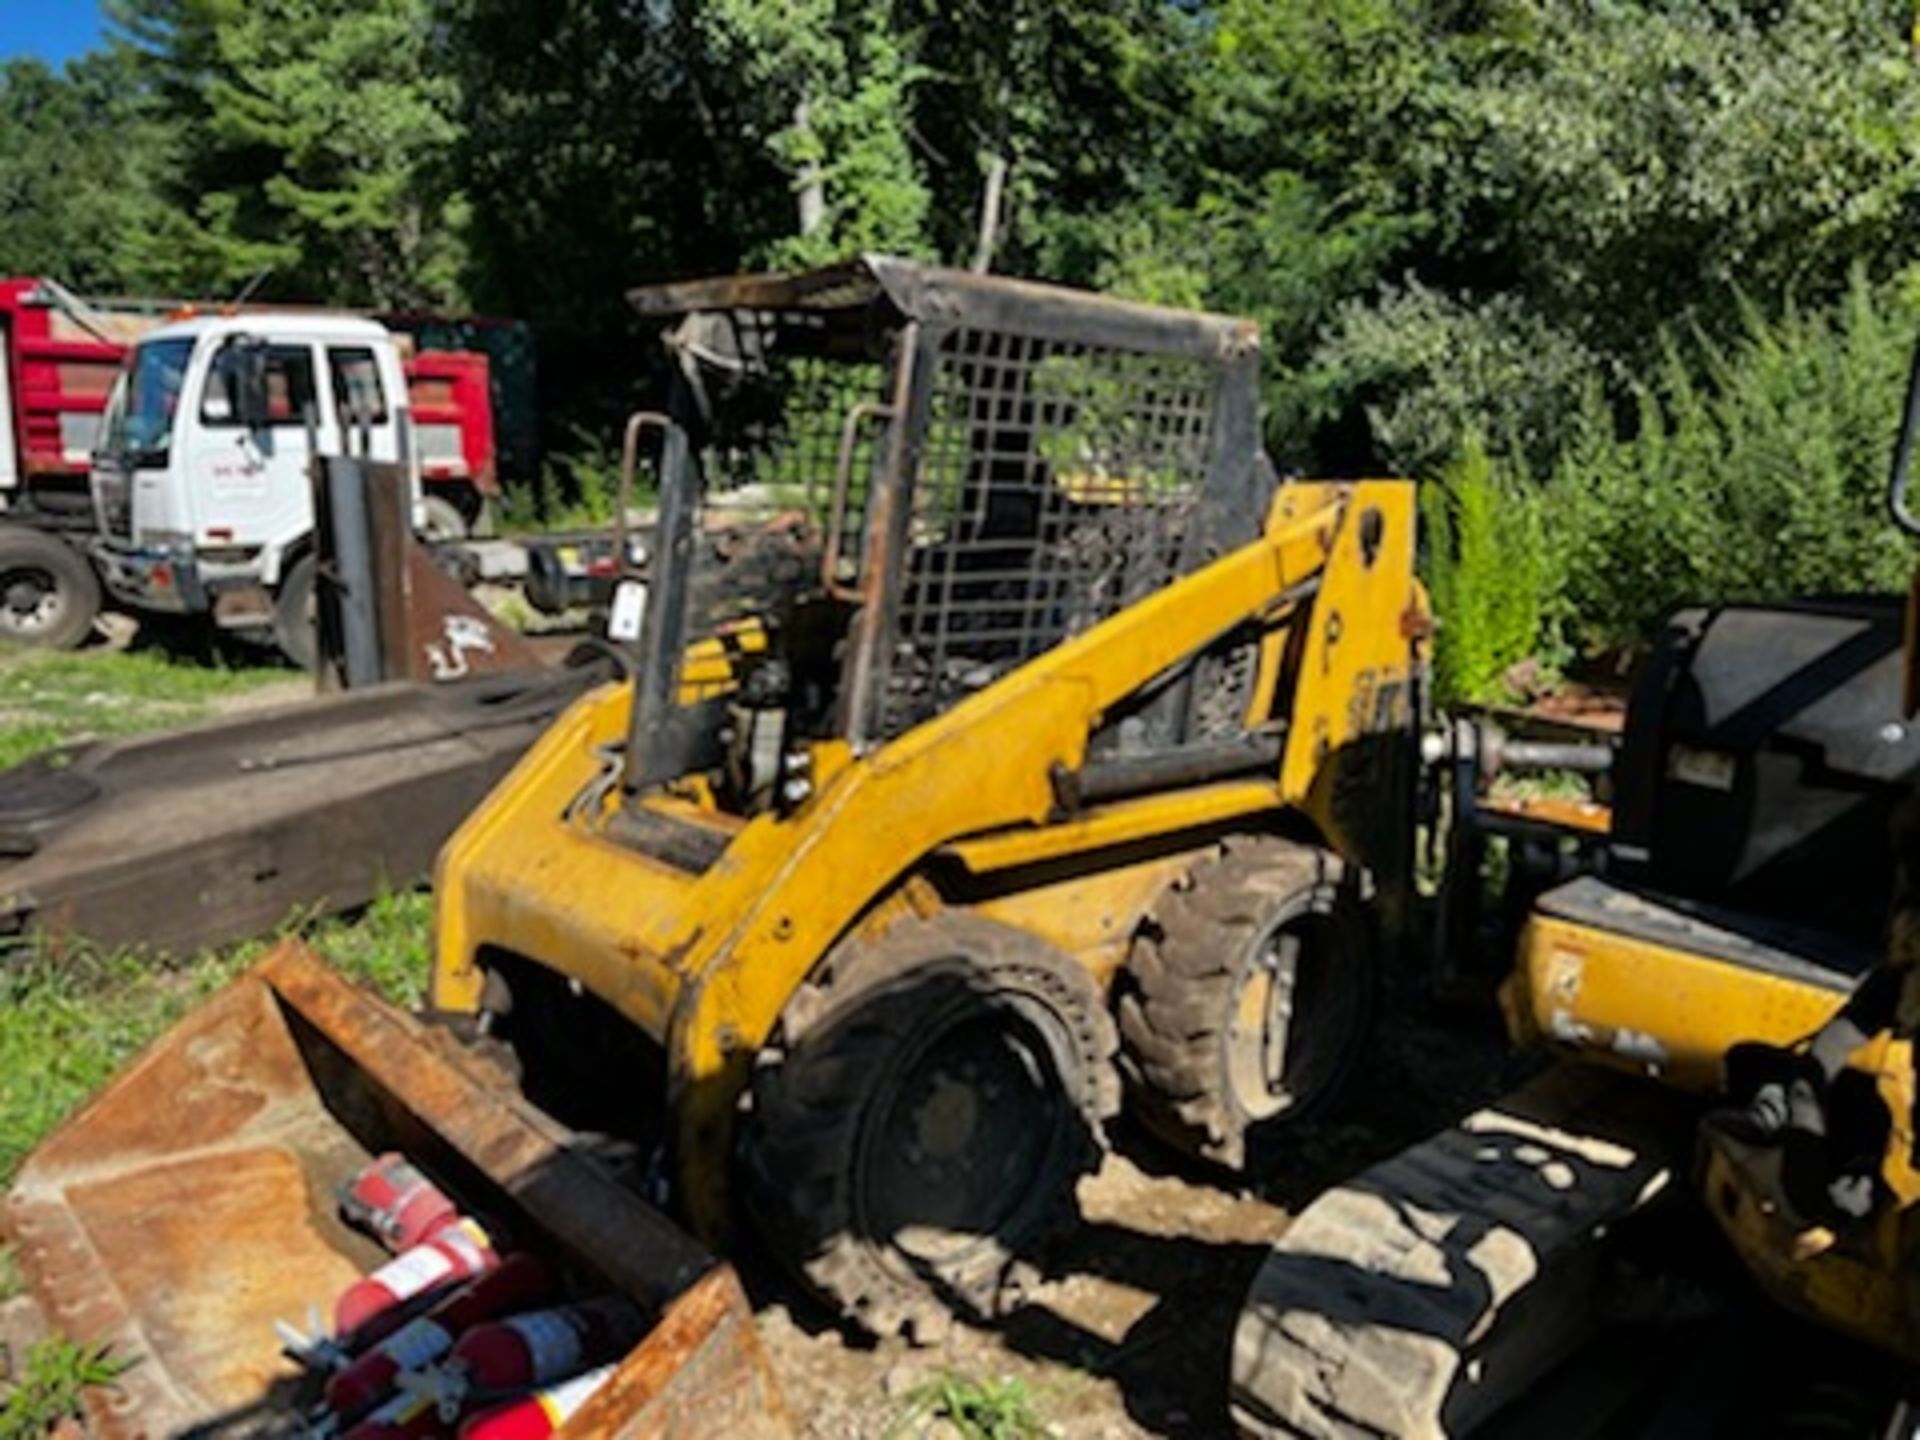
(1000, 1409)
(47, 1386)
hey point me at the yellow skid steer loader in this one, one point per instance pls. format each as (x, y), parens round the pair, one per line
(1076, 759)
(1083, 751)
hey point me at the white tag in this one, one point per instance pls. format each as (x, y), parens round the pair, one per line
(1709, 769)
(629, 608)
(413, 1272)
(552, 1340)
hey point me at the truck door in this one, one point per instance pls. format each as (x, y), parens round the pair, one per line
(249, 483)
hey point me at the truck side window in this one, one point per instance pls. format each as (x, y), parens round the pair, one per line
(289, 387)
(357, 395)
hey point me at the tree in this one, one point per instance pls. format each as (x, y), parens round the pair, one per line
(317, 140)
(826, 87)
(83, 159)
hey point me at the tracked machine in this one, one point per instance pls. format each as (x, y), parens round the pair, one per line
(1737, 896)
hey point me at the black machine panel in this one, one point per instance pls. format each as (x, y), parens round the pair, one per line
(1765, 751)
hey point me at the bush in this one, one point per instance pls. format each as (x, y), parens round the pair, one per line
(578, 490)
(1489, 571)
(1429, 369)
(1752, 471)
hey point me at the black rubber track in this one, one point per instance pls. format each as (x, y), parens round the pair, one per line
(821, 1096)
(1196, 952)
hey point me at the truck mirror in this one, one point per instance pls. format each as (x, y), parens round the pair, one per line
(248, 377)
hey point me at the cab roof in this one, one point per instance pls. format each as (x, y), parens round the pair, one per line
(881, 291)
(272, 324)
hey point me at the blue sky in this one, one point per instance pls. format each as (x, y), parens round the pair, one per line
(54, 30)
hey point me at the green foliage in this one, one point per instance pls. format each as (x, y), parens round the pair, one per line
(1429, 371)
(579, 490)
(830, 87)
(1000, 1409)
(316, 145)
(1750, 470)
(1489, 571)
(83, 158)
(1556, 227)
(44, 1387)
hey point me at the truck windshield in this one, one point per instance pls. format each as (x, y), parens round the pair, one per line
(139, 429)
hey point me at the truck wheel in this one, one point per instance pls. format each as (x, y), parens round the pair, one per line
(1246, 997)
(49, 594)
(922, 1116)
(295, 617)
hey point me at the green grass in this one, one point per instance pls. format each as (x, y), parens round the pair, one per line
(71, 1015)
(1002, 1409)
(49, 699)
(46, 1385)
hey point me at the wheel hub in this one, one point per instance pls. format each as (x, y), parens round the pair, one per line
(1261, 1028)
(962, 1141)
(30, 598)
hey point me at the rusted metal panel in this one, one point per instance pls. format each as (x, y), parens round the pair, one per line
(701, 1373)
(431, 629)
(214, 834)
(189, 1206)
(940, 296)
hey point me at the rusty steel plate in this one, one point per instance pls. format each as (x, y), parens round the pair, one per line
(191, 1205)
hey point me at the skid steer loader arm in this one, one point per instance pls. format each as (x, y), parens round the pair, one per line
(190, 1206)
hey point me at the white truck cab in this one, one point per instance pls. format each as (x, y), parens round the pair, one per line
(200, 482)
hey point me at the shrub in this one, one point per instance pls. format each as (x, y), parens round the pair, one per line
(578, 490)
(1750, 471)
(1489, 571)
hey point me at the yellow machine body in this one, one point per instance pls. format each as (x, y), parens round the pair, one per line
(960, 810)
(1863, 1282)
(1653, 1007)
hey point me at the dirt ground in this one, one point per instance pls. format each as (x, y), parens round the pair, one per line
(1129, 1335)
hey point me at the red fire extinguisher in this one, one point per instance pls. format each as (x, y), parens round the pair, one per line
(396, 1204)
(536, 1416)
(543, 1346)
(519, 1281)
(405, 1417)
(373, 1306)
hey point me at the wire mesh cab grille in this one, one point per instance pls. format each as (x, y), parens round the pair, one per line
(995, 465)
(1056, 485)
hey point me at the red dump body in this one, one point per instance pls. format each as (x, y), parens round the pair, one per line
(58, 361)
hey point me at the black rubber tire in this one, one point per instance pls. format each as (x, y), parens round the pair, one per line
(294, 619)
(869, 1031)
(1205, 1083)
(49, 595)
